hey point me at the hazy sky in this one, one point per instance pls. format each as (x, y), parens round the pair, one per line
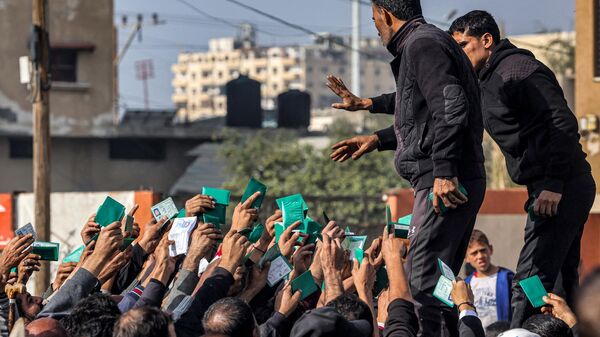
(187, 30)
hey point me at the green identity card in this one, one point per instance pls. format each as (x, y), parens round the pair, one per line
(253, 187)
(443, 208)
(216, 216)
(109, 212)
(256, 233)
(534, 290)
(75, 255)
(270, 255)
(306, 283)
(47, 250)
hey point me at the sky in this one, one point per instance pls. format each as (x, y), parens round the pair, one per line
(188, 29)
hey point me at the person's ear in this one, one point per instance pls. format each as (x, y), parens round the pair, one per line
(491, 250)
(488, 41)
(387, 17)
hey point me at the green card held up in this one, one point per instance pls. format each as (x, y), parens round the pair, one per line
(181, 213)
(293, 198)
(534, 290)
(47, 250)
(292, 211)
(75, 255)
(359, 254)
(306, 283)
(270, 255)
(219, 195)
(109, 212)
(256, 233)
(279, 228)
(253, 187)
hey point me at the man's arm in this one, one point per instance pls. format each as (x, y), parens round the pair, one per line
(541, 95)
(131, 270)
(437, 78)
(184, 286)
(387, 139)
(74, 289)
(384, 104)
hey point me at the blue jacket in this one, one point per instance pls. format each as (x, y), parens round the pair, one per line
(503, 293)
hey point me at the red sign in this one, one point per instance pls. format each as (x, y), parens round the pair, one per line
(6, 211)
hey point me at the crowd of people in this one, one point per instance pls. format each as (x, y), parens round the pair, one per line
(450, 86)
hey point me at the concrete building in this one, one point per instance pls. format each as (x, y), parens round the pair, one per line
(200, 77)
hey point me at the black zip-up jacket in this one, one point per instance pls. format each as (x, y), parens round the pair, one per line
(437, 130)
(525, 112)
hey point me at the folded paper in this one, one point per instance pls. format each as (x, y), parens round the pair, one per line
(180, 233)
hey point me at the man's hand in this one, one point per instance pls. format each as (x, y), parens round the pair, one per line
(152, 236)
(203, 239)
(333, 230)
(269, 232)
(258, 280)
(302, 258)
(332, 262)
(199, 204)
(243, 215)
(108, 243)
(286, 302)
(383, 302)
(116, 263)
(26, 268)
(14, 252)
(447, 191)
(165, 264)
(546, 204)
(363, 274)
(462, 296)
(234, 249)
(64, 270)
(90, 229)
(288, 240)
(392, 250)
(558, 308)
(354, 147)
(374, 253)
(350, 101)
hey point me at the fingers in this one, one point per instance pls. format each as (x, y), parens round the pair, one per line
(436, 204)
(341, 154)
(297, 295)
(537, 207)
(134, 209)
(248, 203)
(364, 148)
(345, 142)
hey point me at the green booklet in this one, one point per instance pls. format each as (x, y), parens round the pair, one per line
(306, 283)
(109, 212)
(443, 288)
(293, 198)
(534, 290)
(216, 216)
(292, 211)
(256, 233)
(270, 255)
(75, 255)
(253, 187)
(47, 250)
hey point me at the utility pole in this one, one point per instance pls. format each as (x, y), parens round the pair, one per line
(144, 70)
(40, 87)
(355, 62)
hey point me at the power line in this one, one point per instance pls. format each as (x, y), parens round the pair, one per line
(302, 29)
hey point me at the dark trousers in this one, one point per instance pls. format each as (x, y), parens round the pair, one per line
(435, 236)
(552, 247)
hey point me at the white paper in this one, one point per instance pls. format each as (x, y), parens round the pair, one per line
(203, 265)
(279, 269)
(164, 208)
(180, 233)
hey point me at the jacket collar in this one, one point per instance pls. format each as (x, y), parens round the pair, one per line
(397, 42)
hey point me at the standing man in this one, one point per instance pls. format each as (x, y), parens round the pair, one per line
(437, 136)
(525, 112)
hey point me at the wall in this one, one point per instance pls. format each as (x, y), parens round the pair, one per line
(84, 165)
(70, 21)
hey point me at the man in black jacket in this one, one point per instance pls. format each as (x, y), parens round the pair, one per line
(525, 112)
(437, 135)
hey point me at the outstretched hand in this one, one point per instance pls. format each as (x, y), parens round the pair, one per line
(350, 101)
(354, 147)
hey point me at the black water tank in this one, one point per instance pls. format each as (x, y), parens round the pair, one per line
(294, 109)
(243, 103)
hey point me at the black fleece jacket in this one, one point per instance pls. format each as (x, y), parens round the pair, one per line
(525, 112)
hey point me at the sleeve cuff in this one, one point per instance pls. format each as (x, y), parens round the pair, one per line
(387, 139)
(378, 106)
(445, 169)
(552, 185)
(466, 313)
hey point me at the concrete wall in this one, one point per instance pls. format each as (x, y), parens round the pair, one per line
(84, 165)
(89, 101)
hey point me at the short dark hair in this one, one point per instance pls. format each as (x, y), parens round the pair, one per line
(496, 328)
(547, 326)
(479, 237)
(351, 308)
(229, 316)
(587, 306)
(476, 24)
(142, 322)
(93, 316)
(401, 9)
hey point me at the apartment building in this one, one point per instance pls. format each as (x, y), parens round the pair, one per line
(200, 77)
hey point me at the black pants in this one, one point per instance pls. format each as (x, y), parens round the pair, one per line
(435, 236)
(552, 247)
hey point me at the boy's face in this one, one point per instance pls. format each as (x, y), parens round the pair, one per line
(477, 49)
(480, 256)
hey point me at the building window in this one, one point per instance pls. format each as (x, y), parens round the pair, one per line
(137, 149)
(63, 64)
(20, 148)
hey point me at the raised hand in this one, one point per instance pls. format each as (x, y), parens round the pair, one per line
(258, 280)
(14, 252)
(286, 302)
(558, 308)
(234, 249)
(354, 147)
(27, 266)
(152, 235)
(363, 274)
(350, 101)
(203, 239)
(392, 250)
(107, 245)
(165, 264)
(462, 296)
(64, 270)
(199, 204)
(90, 229)
(332, 262)
(243, 215)
(116, 263)
(333, 230)
(288, 240)
(301, 259)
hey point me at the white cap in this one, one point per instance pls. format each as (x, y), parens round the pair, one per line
(518, 333)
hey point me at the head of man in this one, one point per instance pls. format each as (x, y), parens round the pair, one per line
(390, 15)
(587, 306)
(496, 328)
(29, 306)
(144, 322)
(93, 316)
(479, 252)
(45, 327)
(351, 308)
(547, 326)
(230, 316)
(477, 33)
